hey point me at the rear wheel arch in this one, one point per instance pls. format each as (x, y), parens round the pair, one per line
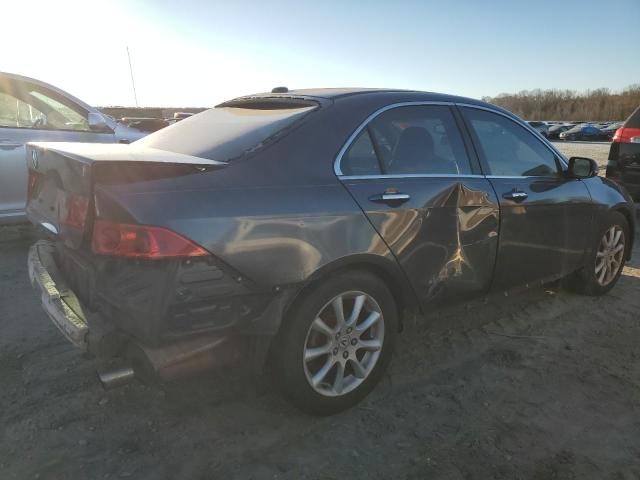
(385, 269)
(313, 344)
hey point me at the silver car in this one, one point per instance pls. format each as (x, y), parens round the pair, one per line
(33, 111)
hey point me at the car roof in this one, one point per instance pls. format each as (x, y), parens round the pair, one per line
(21, 78)
(364, 93)
(330, 93)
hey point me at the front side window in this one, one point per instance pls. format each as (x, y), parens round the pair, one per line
(508, 148)
(412, 140)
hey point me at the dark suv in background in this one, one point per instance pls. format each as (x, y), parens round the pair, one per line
(624, 155)
(541, 127)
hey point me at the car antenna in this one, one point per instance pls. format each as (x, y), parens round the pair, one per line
(133, 84)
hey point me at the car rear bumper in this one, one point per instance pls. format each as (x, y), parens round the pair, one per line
(91, 333)
(60, 303)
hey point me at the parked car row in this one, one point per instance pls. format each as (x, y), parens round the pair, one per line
(555, 130)
(582, 131)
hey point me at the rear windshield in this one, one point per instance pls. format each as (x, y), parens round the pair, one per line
(227, 133)
(634, 120)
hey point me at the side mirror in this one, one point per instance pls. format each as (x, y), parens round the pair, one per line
(97, 123)
(581, 167)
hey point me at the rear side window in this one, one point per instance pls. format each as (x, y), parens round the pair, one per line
(413, 140)
(508, 148)
(229, 132)
(361, 158)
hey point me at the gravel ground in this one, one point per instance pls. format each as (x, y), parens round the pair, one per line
(599, 151)
(543, 385)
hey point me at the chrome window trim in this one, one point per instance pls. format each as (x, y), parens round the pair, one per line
(411, 175)
(524, 124)
(514, 177)
(352, 137)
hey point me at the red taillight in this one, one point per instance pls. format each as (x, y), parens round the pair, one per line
(77, 209)
(627, 135)
(141, 241)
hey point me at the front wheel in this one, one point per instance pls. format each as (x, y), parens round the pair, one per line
(607, 259)
(335, 343)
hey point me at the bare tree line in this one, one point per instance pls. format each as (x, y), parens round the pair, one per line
(593, 105)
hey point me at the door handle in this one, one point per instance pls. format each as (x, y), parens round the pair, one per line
(390, 197)
(515, 195)
(5, 145)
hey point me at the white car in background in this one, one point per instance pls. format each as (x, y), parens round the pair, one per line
(33, 111)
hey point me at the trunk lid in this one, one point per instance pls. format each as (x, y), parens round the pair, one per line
(63, 176)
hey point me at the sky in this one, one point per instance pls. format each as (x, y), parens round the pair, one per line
(200, 53)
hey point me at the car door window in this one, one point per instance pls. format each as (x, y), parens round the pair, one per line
(419, 140)
(61, 116)
(27, 106)
(14, 113)
(508, 148)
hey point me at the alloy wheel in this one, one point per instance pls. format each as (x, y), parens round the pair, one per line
(343, 344)
(610, 255)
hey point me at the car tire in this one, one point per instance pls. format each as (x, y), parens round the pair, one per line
(311, 338)
(603, 268)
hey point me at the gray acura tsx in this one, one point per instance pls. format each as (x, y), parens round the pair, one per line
(295, 230)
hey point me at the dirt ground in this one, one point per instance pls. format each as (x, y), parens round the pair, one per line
(543, 385)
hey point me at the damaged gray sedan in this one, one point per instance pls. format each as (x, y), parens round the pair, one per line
(295, 229)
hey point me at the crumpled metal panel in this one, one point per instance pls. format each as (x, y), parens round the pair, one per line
(445, 237)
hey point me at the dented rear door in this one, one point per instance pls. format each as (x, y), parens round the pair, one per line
(442, 226)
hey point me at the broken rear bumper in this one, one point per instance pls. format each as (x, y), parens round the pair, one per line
(90, 332)
(60, 303)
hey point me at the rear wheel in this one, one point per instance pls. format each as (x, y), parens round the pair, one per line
(336, 342)
(607, 258)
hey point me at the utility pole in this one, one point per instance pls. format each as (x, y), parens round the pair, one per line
(133, 84)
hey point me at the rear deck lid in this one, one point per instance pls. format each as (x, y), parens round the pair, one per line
(62, 178)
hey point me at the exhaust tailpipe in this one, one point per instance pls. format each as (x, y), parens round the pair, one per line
(116, 378)
(170, 362)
